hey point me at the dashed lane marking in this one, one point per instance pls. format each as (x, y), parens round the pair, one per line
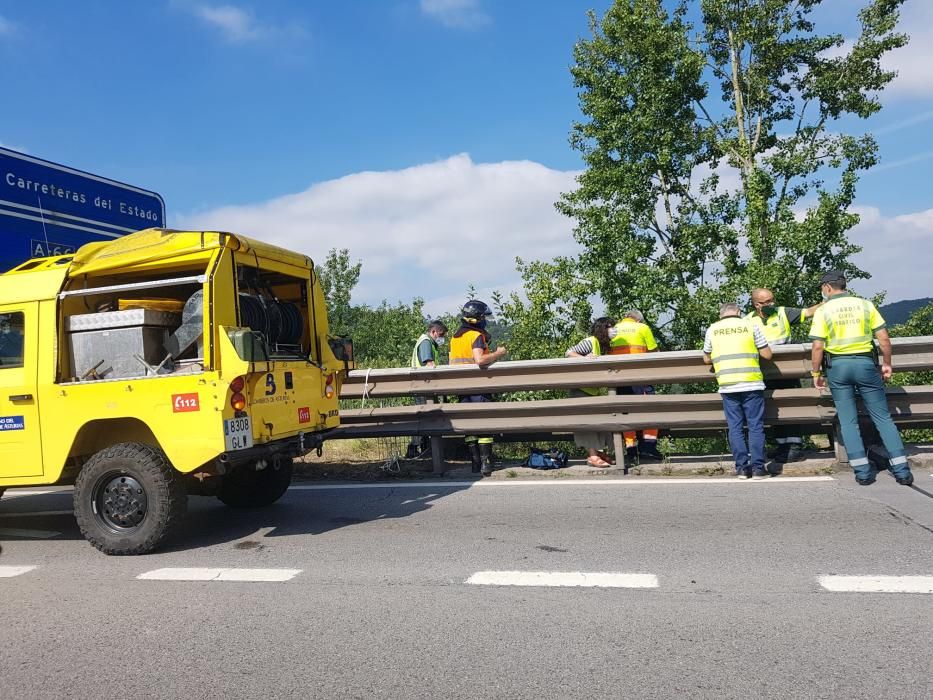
(877, 584)
(595, 579)
(206, 574)
(11, 571)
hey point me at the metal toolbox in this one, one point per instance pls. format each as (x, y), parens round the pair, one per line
(122, 319)
(111, 345)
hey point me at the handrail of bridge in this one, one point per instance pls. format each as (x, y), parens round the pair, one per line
(682, 367)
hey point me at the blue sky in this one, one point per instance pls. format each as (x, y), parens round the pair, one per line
(408, 130)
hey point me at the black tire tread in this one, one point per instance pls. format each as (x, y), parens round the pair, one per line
(255, 489)
(170, 488)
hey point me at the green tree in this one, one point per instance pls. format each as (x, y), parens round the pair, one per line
(383, 336)
(338, 277)
(716, 160)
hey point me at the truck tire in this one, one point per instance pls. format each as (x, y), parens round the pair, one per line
(128, 499)
(247, 488)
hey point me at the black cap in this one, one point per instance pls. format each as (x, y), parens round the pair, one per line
(833, 277)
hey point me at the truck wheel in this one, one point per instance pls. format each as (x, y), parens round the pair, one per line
(128, 498)
(247, 488)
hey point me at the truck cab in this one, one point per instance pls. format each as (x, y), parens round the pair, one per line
(162, 364)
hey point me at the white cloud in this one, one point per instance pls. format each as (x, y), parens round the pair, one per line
(912, 61)
(240, 26)
(896, 251)
(457, 14)
(429, 230)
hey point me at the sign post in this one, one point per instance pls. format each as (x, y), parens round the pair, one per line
(49, 209)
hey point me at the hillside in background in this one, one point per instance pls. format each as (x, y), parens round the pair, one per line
(900, 311)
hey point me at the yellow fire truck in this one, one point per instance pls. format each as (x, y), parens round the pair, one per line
(162, 364)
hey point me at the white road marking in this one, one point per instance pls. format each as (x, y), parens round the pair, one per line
(206, 574)
(551, 481)
(14, 493)
(597, 481)
(11, 571)
(563, 578)
(34, 534)
(877, 584)
(36, 513)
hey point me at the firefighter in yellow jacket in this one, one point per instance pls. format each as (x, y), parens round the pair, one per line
(632, 336)
(470, 346)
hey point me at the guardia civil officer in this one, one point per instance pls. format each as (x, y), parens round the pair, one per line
(842, 333)
(732, 346)
(776, 322)
(426, 353)
(470, 345)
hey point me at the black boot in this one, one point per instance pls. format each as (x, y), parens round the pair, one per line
(476, 460)
(485, 452)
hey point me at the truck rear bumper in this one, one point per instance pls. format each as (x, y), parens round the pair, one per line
(290, 447)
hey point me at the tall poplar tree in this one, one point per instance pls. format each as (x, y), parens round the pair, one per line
(718, 158)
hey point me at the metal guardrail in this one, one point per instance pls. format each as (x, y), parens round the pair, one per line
(681, 414)
(684, 367)
(909, 405)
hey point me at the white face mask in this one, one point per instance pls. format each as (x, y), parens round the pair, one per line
(440, 341)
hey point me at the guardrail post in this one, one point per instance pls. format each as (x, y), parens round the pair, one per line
(437, 448)
(618, 441)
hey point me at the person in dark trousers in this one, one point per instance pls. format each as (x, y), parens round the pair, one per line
(426, 353)
(733, 346)
(631, 336)
(470, 346)
(776, 322)
(842, 333)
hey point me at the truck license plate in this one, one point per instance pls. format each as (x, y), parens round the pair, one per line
(238, 434)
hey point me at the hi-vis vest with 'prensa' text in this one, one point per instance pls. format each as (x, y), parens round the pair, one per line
(735, 356)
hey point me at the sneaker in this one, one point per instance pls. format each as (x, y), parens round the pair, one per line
(760, 476)
(743, 474)
(793, 453)
(865, 482)
(905, 480)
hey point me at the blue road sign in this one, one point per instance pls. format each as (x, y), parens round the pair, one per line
(49, 209)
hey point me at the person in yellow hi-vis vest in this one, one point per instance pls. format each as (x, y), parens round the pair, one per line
(776, 322)
(842, 332)
(470, 346)
(426, 353)
(631, 336)
(732, 346)
(596, 345)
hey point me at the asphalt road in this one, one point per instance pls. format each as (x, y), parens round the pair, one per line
(374, 599)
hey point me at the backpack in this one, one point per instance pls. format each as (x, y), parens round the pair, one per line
(546, 459)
